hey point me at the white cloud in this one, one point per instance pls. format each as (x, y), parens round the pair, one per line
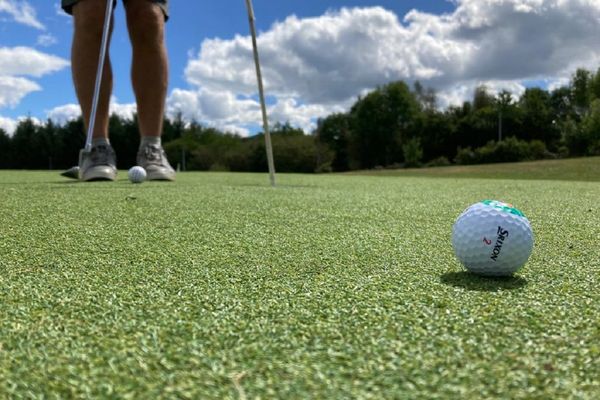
(18, 62)
(46, 40)
(314, 66)
(8, 125)
(219, 109)
(238, 114)
(13, 89)
(126, 111)
(22, 61)
(69, 112)
(457, 94)
(65, 113)
(59, 11)
(21, 12)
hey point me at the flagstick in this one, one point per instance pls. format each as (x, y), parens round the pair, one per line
(261, 93)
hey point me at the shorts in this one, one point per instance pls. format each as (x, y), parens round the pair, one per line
(67, 5)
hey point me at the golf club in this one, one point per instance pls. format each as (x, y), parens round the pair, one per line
(261, 94)
(73, 172)
(103, 48)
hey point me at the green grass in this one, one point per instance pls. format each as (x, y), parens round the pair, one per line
(333, 286)
(574, 169)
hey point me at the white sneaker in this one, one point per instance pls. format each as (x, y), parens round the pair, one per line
(154, 160)
(99, 164)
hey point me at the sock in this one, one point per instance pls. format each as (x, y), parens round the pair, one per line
(100, 141)
(150, 140)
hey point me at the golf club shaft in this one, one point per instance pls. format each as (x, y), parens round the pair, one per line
(99, 73)
(269, 147)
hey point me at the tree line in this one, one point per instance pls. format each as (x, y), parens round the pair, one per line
(393, 126)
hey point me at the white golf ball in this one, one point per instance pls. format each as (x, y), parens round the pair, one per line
(137, 174)
(492, 238)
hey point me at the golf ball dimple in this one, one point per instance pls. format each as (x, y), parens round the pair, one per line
(137, 174)
(492, 238)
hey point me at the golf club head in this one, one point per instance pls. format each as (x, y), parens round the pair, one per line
(72, 173)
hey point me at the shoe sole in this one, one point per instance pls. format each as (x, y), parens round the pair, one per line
(160, 177)
(161, 174)
(98, 176)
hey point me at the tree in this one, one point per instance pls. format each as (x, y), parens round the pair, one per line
(173, 129)
(538, 118)
(286, 129)
(413, 153)
(71, 139)
(334, 132)
(5, 150)
(48, 137)
(561, 104)
(503, 101)
(426, 97)
(590, 130)
(580, 90)
(482, 98)
(477, 127)
(438, 133)
(125, 139)
(27, 147)
(595, 86)
(380, 122)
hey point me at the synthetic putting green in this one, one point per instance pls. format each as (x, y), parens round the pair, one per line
(219, 286)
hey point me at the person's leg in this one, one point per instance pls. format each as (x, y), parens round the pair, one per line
(88, 18)
(149, 69)
(100, 162)
(149, 76)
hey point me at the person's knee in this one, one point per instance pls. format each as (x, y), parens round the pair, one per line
(88, 17)
(145, 21)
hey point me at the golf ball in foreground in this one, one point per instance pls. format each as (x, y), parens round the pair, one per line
(137, 174)
(492, 238)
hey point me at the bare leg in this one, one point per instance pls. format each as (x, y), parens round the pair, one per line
(89, 21)
(149, 70)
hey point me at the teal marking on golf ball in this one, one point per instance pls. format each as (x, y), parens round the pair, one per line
(507, 207)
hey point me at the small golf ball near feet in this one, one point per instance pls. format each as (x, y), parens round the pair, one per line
(492, 238)
(137, 174)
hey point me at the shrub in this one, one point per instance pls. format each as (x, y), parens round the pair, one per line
(562, 152)
(413, 153)
(538, 150)
(594, 149)
(508, 150)
(218, 167)
(466, 156)
(324, 168)
(439, 162)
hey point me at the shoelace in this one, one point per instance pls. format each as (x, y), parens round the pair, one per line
(100, 154)
(153, 154)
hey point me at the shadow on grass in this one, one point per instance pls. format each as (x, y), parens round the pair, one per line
(470, 281)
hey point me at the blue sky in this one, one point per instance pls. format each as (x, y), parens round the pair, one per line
(315, 63)
(190, 23)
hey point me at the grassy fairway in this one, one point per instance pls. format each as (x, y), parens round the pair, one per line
(575, 169)
(218, 286)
